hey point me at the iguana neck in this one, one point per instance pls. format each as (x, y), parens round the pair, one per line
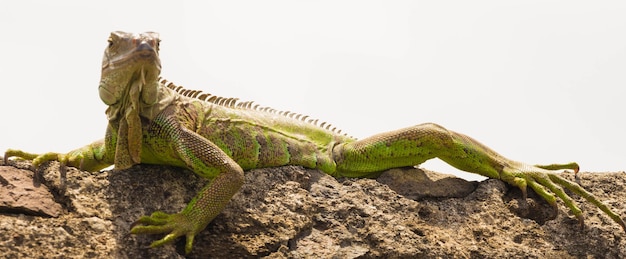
(129, 104)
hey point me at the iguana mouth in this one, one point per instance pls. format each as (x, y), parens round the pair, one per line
(145, 55)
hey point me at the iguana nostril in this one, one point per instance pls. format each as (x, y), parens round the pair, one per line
(144, 46)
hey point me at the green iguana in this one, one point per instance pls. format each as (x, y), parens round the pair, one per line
(155, 122)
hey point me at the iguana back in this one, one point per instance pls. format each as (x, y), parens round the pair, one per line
(256, 136)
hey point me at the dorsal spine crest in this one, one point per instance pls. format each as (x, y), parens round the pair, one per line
(246, 105)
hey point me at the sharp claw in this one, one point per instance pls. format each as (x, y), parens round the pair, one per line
(37, 177)
(581, 220)
(140, 221)
(576, 176)
(63, 171)
(134, 224)
(523, 186)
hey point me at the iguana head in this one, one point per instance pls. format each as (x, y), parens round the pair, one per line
(129, 85)
(130, 58)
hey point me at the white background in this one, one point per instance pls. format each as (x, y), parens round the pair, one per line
(538, 81)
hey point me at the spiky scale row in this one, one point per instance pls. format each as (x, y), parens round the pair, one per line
(232, 102)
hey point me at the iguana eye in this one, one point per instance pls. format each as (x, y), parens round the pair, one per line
(110, 42)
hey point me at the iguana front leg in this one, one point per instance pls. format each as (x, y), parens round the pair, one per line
(91, 157)
(414, 145)
(206, 160)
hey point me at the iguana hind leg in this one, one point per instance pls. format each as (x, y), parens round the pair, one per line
(405, 147)
(414, 145)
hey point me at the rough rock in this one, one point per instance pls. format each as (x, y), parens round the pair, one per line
(292, 212)
(19, 193)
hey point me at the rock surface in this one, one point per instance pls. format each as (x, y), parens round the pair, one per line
(291, 212)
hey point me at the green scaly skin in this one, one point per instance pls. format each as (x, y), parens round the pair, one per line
(155, 122)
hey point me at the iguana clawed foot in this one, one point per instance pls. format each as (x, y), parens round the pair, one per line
(546, 183)
(176, 225)
(39, 159)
